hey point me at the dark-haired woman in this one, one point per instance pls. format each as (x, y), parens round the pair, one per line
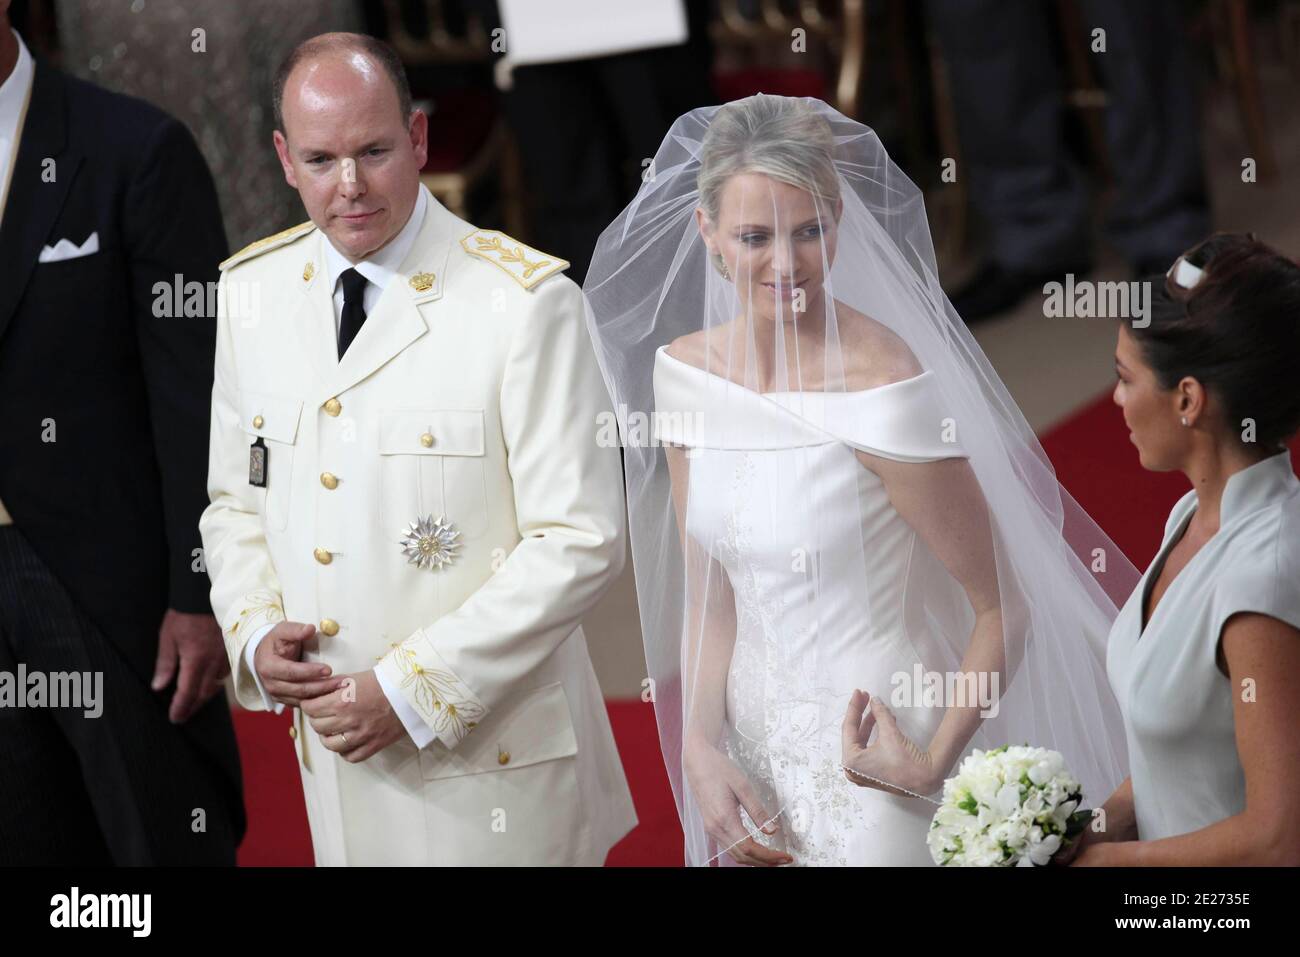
(1205, 656)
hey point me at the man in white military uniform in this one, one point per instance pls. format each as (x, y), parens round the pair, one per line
(409, 511)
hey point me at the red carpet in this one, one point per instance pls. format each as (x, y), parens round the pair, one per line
(1094, 460)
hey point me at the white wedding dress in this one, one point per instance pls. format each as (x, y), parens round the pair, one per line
(823, 605)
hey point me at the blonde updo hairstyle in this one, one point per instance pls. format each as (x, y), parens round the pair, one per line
(778, 136)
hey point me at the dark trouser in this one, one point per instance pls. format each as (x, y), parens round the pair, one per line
(584, 127)
(1006, 79)
(121, 788)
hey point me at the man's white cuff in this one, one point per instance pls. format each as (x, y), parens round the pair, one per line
(250, 650)
(415, 726)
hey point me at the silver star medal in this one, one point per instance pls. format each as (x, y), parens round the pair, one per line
(430, 543)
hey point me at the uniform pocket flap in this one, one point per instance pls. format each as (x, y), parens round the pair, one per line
(431, 432)
(536, 728)
(270, 416)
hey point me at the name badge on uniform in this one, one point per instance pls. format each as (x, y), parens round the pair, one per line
(257, 455)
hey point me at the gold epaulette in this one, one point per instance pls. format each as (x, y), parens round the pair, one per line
(270, 242)
(526, 265)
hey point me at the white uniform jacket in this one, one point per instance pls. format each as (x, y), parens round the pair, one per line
(471, 394)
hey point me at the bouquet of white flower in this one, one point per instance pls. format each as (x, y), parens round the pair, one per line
(1012, 806)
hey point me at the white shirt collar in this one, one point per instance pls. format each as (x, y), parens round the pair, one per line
(384, 264)
(13, 94)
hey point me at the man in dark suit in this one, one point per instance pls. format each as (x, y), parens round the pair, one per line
(128, 757)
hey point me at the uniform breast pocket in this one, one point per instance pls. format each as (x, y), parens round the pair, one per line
(273, 419)
(432, 463)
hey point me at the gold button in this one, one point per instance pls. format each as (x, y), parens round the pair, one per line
(324, 557)
(328, 626)
(426, 440)
(333, 406)
(329, 480)
(257, 421)
(293, 732)
(503, 757)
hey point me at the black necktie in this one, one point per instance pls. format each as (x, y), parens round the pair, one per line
(354, 313)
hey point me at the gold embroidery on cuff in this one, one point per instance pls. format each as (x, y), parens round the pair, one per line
(440, 697)
(258, 604)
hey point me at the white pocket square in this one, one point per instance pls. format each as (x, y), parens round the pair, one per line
(66, 249)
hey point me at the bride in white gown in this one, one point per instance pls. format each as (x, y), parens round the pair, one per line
(834, 493)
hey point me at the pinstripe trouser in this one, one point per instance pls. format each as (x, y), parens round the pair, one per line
(126, 787)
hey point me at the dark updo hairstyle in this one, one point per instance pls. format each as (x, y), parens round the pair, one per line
(1236, 331)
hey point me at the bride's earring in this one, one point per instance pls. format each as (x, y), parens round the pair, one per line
(722, 267)
(1183, 419)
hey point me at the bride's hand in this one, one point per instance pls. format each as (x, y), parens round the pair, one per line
(720, 789)
(892, 757)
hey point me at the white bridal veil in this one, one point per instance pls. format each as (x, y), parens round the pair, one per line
(830, 488)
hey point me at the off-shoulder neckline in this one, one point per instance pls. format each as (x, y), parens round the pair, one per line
(663, 351)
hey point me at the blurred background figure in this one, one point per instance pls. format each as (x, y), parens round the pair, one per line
(1004, 62)
(592, 86)
(210, 65)
(109, 233)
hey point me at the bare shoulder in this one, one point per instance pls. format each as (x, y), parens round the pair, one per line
(875, 355)
(694, 348)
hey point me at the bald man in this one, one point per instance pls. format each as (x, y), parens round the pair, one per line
(409, 510)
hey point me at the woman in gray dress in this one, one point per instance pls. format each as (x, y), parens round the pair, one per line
(1204, 658)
